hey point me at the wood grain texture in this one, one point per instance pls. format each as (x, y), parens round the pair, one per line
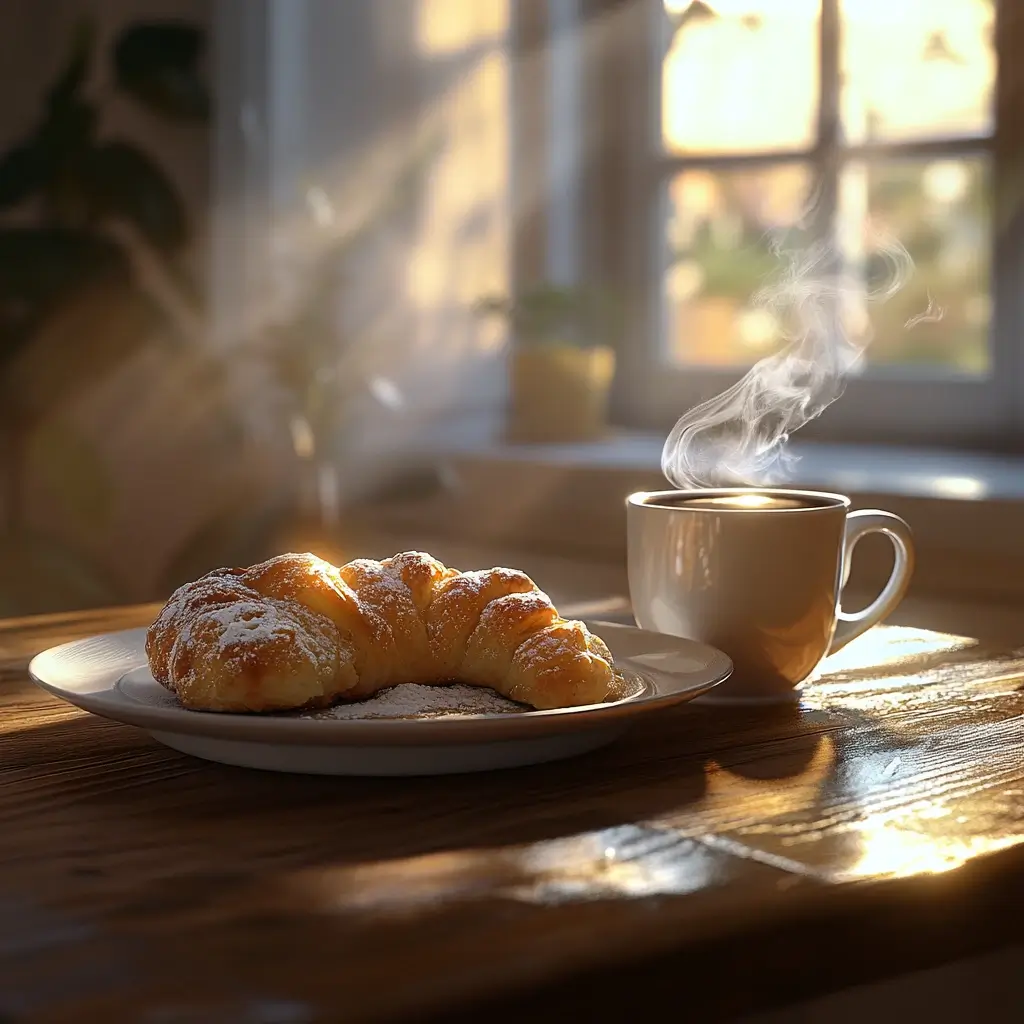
(137, 884)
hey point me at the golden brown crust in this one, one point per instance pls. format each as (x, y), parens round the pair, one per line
(261, 655)
(402, 654)
(421, 573)
(220, 587)
(296, 631)
(504, 624)
(455, 611)
(563, 665)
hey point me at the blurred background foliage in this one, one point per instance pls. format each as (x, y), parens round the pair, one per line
(81, 212)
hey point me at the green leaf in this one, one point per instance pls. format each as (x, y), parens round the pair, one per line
(22, 173)
(59, 145)
(492, 305)
(73, 473)
(157, 64)
(127, 183)
(554, 313)
(39, 262)
(40, 268)
(76, 68)
(64, 144)
(86, 333)
(67, 132)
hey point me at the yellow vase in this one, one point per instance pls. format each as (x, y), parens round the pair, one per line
(559, 392)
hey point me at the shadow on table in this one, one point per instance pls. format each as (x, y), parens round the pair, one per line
(103, 794)
(157, 840)
(109, 779)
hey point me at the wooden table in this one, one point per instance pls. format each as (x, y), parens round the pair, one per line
(720, 861)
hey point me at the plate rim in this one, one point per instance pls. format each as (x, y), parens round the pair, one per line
(109, 701)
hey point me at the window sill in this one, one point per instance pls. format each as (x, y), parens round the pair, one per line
(965, 508)
(848, 468)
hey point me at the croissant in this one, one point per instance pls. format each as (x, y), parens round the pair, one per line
(298, 632)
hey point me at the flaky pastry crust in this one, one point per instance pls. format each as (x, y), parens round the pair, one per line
(298, 632)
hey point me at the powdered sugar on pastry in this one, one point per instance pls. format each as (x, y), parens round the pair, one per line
(254, 623)
(258, 656)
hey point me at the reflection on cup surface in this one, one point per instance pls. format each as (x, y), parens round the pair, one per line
(747, 501)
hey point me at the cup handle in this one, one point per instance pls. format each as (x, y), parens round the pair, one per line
(860, 524)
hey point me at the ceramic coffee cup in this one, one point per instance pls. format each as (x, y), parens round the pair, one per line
(757, 574)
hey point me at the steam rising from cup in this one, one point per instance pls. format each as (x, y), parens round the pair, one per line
(741, 435)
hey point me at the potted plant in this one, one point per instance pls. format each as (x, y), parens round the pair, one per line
(81, 211)
(561, 362)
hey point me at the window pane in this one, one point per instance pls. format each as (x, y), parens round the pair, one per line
(720, 226)
(740, 75)
(939, 210)
(917, 68)
(718, 256)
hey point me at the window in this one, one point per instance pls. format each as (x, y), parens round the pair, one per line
(659, 147)
(845, 123)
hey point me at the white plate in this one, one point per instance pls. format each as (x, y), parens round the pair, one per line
(108, 676)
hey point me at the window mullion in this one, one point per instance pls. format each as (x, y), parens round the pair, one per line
(919, 148)
(1008, 218)
(530, 136)
(671, 165)
(823, 216)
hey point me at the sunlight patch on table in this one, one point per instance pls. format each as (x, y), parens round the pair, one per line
(625, 862)
(894, 848)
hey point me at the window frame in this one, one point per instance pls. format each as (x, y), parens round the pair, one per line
(908, 405)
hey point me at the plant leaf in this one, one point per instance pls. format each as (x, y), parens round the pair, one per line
(21, 174)
(555, 313)
(85, 334)
(64, 142)
(65, 90)
(67, 132)
(127, 183)
(40, 268)
(72, 471)
(492, 305)
(157, 63)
